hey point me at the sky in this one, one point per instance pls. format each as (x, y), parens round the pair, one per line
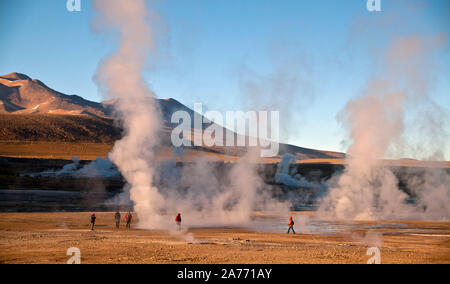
(320, 53)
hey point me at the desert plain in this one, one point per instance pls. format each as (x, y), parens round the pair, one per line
(46, 237)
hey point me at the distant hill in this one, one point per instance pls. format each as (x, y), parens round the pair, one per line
(31, 111)
(19, 94)
(57, 128)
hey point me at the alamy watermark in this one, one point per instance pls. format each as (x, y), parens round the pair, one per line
(374, 5)
(211, 129)
(73, 5)
(75, 255)
(375, 255)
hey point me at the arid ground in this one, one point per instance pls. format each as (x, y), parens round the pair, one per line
(45, 238)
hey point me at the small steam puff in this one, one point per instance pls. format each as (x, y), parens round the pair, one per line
(370, 239)
(100, 168)
(288, 177)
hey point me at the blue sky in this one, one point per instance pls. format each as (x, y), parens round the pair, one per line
(208, 47)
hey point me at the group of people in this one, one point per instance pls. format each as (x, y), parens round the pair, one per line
(129, 217)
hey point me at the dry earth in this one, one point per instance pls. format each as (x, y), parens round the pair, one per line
(45, 238)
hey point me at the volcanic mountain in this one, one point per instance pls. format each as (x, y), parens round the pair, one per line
(19, 94)
(31, 111)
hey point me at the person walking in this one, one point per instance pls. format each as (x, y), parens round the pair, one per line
(93, 221)
(117, 218)
(178, 221)
(291, 225)
(128, 218)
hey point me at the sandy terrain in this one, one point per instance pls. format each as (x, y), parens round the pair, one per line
(56, 150)
(91, 151)
(45, 238)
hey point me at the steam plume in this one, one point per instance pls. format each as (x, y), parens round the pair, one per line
(203, 197)
(120, 76)
(376, 122)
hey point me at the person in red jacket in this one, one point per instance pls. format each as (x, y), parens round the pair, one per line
(291, 225)
(178, 221)
(128, 218)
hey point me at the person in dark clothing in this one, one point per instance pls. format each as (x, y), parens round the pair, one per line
(291, 225)
(178, 221)
(117, 218)
(128, 217)
(93, 221)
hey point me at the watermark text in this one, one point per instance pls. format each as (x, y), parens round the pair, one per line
(374, 5)
(73, 5)
(242, 129)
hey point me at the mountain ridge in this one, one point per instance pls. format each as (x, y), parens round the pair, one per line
(43, 114)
